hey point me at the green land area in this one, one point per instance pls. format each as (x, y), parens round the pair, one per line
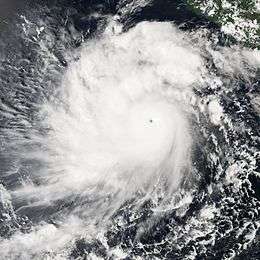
(240, 19)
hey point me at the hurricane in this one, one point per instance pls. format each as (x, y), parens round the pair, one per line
(129, 130)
